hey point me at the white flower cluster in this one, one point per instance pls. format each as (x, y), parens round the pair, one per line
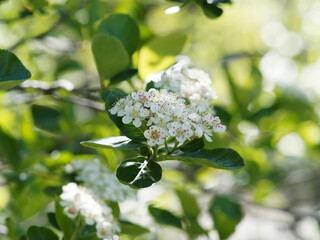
(166, 114)
(77, 199)
(191, 83)
(99, 179)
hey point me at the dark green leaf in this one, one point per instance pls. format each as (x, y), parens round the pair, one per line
(223, 115)
(222, 158)
(139, 172)
(211, 10)
(160, 53)
(129, 130)
(226, 214)
(9, 148)
(120, 142)
(124, 28)
(132, 229)
(110, 56)
(46, 118)
(193, 146)
(126, 74)
(41, 233)
(65, 223)
(52, 220)
(12, 71)
(188, 203)
(165, 217)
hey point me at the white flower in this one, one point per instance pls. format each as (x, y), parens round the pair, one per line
(166, 114)
(77, 199)
(155, 135)
(181, 131)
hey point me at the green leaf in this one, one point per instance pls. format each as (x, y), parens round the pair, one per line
(139, 172)
(124, 28)
(188, 203)
(110, 56)
(193, 146)
(159, 53)
(165, 217)
(46, 118)
(222, 158)
(9, 148)
(129, 130)
(64, 222)
(126, 74)
(120, 142)
(41, 233)
(52, 220)
(12, 71)
(226, 213)
(211, 10)
(132, 229)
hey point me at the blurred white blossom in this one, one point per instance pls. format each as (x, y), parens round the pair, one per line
(80, 200)
(99, 179)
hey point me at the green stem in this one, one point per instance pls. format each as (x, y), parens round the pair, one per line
(103, 86)
(155, 153)
(166, 144)
(175, 148)
(76, 231)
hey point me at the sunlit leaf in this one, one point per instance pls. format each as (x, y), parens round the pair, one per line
(222, 158)
(159, 53)
(12, 71)
(110, 56)
(124, 28)
(188, 203)
(139, 172)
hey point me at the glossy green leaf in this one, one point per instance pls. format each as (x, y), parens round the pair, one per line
(110, 56)
(124, 28)
(226, 213)
(46, 118)
(12, 71)
(41, 233)
(165, 217)
(222, 158)
(65, 223)
(193, 146)
(129, 130)
(159, 53)
(211, 10)
(139, 172)
(120, 142)
(125, 75)
(132, 229)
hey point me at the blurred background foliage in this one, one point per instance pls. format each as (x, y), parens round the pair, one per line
(264, 60)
